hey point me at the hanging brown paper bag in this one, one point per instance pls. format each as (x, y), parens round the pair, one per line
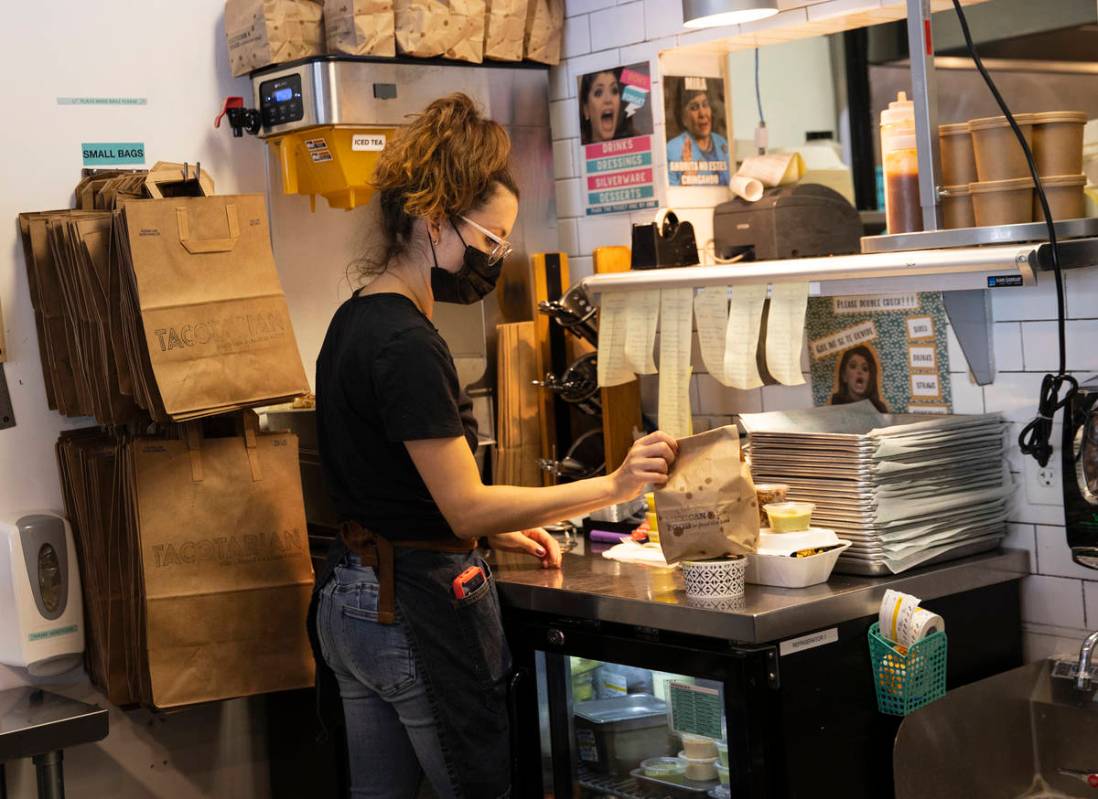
(225, 564)
(216, 325)
(708, 508)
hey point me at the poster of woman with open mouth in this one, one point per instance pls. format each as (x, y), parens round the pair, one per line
(697, 138)
(616, 139)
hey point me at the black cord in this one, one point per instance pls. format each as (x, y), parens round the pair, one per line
(1036, 437)
(758, 92)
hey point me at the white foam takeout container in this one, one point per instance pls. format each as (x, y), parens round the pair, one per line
(772, 564)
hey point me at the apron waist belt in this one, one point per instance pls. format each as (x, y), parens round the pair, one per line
(377, 552)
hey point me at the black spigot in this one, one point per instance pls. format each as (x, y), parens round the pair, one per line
(240, 118)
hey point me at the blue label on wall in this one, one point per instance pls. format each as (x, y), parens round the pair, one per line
(113, 153)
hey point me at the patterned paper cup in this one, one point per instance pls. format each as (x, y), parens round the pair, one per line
(714, 579)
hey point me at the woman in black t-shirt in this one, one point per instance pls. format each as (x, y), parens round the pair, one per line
(427, 693)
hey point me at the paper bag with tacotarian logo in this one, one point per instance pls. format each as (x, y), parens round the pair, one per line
(215, 320)
(708, 508)
(225, 560)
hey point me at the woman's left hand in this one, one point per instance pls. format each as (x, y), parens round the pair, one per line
(535, 541)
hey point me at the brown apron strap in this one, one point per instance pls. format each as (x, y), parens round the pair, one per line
(377, 552)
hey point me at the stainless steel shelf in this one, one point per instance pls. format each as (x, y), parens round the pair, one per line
(921, 270)
(980, 236)
(963, 273)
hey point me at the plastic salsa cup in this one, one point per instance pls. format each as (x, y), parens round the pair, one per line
(670, 769)
(789, 517)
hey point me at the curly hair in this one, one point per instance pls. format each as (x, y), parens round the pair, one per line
(446, 162)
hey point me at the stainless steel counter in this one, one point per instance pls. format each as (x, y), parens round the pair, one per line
(592, 587)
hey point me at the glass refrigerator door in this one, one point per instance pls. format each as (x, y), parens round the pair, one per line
(646, 719)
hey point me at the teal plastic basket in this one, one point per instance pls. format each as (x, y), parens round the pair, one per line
(907, 681)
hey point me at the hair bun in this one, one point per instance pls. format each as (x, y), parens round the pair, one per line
(444, 159)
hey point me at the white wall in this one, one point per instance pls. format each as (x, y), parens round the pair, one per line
(173, 54)
(1060, 600)
(786, 121)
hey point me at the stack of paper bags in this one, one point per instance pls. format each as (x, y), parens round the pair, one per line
(171, 307)
(519, 438)
(906, 489)
(263, 32)
(194, 561)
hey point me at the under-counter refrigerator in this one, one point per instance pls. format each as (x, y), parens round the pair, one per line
(595, 701)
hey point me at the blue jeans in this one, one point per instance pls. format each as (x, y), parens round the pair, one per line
(392, 733)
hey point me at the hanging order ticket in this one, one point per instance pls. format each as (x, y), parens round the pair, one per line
(785, 332)
(676, 313)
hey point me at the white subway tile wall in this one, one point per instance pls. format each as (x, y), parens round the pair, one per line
(577, 35)
(1008, 347)
(1022, 536)
(1053, 601)
(618, 26)
(1090, 593)
(967, 396)
(1041, 350)
(564, 162)
(1039, 644)
(602, 34)
(1082, 293)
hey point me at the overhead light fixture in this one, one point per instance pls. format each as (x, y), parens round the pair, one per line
(712, 13)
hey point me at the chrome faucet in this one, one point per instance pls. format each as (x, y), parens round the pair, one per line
(1082, 677)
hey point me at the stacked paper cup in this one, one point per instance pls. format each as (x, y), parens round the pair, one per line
(903, 622)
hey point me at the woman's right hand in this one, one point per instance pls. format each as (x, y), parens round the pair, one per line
(648, 462)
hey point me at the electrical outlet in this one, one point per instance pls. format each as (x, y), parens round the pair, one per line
(1044, 484)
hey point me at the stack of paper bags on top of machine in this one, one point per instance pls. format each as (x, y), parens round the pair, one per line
(261, 33)
(194, 560)
(905, 488)
(168, 306)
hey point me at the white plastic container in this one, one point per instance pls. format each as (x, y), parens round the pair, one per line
(714, 579)
(783, 571)
(698, 746)
(787, 543)
(699, 768)
(722, 774)
(722, 753)
(668, 769)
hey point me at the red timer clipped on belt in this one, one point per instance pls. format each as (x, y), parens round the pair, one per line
(469, 581)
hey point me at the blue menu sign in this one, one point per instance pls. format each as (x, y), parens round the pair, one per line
(113, 153)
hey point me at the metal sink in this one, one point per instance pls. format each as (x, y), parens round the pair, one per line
(1022, 734)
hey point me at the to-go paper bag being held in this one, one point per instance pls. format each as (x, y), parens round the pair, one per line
(708, 508)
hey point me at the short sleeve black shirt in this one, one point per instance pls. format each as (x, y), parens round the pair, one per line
(385, 376)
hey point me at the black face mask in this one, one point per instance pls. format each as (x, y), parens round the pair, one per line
(472, 283)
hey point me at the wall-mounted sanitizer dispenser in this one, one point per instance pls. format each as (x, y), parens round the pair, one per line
(42, 616)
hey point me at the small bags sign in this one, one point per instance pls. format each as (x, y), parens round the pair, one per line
(708, 508)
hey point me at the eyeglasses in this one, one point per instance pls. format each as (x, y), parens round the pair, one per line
(501, 247)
